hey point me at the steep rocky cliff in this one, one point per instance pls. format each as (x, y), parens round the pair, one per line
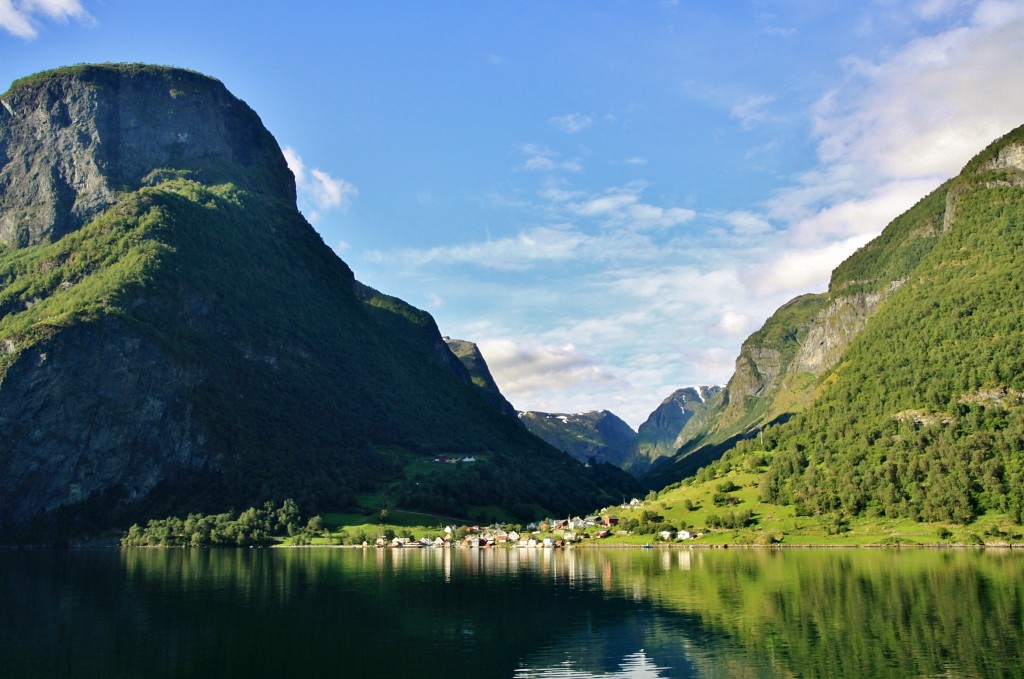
(70, 140)
(175, 337)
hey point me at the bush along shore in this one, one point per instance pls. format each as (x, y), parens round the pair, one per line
(266, 525)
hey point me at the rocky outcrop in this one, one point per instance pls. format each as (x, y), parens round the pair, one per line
(1008, 157)
(832, 330)
(70, 140)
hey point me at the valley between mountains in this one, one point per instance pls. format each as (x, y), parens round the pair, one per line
(176, 339)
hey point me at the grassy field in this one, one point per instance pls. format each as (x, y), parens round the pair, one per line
(692, 506)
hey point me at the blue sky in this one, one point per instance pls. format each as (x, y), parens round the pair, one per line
(607, 196)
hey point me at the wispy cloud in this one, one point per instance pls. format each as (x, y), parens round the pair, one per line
(751, 110)
(520, 252)
(934, 9)
(22, 18)
(541, 158)
(621, 207)
(748, 223)
(319, 189)
(572, 123)
(888, 134)
(613, 226)
(636, 296)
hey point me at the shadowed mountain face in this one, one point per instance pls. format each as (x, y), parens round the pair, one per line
(598, 435)
(175, 337)
(899, 390)
(469, 355)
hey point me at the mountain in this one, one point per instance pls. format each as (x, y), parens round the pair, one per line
(175, 337)
(656, 437)
(900, 390)
(469, 355)
(598, 434)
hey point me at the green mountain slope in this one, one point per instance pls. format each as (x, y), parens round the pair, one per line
(174, 336)
(920, 414)
(781, 366)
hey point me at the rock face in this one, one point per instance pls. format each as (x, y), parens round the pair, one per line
(598, 434)
(141, 427)
(70, 140)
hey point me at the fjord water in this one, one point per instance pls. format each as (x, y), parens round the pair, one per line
(511, 613)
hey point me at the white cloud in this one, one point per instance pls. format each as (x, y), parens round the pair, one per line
(998, 13)
(528, 372)
(731, 324)
(294, 161)
(603, 205)
(747, 223)
(541, 158)
(888, 135)
(925, 110)
(621, 207)
(317, 188)
(329, 193)
(636, 160)
(714, 364)
(21, 17)
(935, 9)
(797, 271)
(572, 123)
(515, 253)
(570, 236)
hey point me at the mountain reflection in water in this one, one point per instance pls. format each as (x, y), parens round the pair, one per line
(511, 613)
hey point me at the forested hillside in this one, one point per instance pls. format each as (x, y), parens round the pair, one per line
(922, 416)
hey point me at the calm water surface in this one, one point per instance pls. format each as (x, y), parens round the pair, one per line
(511, 613)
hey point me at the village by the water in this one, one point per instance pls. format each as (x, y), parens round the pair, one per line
(550, 534)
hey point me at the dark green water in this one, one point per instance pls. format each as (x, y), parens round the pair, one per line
(511, 613)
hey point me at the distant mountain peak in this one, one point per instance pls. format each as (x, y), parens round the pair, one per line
(597, 434)
(656, 437)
